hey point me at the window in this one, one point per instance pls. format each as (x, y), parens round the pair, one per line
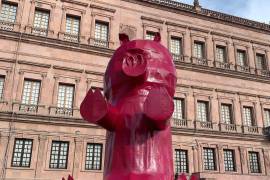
(73, 25)
(2, 82)
(181, 161)
(229, 160)
(254, 162)
(178, 109)
(41, 22)
(221, 54)
(202, 111)
(93, 156)
(248, 116)
(241, 58)
(30, 95)
(266, 115)
(150, 35)
(59, 155)
(65, 96)
(260, 62)
(22, 153)
(199, 49)
(209, 159)
(226, 113)
(102, 31)
(175, 46)
(8, 12)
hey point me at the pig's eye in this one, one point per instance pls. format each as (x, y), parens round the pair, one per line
(139, 58)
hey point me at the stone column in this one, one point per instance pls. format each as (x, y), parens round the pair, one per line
(266, 156)
(250, 59)
(243, 160)
(187, 46)
(32, 11)
(88, 86)
(77, 157)
(214, 111)
(258, 114)
(220, 159)
(195, 159)
(83, 28)
(76, 93)
(63, 21)
(55, 87)
(41, 155)
(3, 157)
(230, 53)
(20, 86)
(210, 49)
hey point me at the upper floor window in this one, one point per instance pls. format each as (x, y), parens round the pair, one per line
(93, 159)
(178, 109)
(209, 159)
(181, 161)
(266, 117)
(59, 155)
(248, 116)
(198, 49)
(254, 162)
(221, 54)
(73, 25)
(65, 98)
(260, 62)
(8, 12)
(241, 58)
(150, 35)
(41, 22)
(102, 31)
(2, 82)
(202, 111)
(229, 160)
(226, 113)
(175, 45)
(30, 96)
(22, 153)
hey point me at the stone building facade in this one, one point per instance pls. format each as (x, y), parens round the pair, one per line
(53, 51)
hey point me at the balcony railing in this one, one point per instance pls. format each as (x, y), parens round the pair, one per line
(223, 65)
(181, 123)
(39, 31)
(28, 108)
(206, 125)
(252, 130)
(71, 37)
(178, 58)
(200, 61)
(8, 26)
(99, 43)
(266, 131)
(245, 69)
(230, 128)
(263, 72)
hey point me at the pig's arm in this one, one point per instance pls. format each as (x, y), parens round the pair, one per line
(158, 108)
(95, 109)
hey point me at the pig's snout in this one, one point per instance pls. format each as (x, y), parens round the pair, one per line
(134, 64)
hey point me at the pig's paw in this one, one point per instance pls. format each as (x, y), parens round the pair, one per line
(94, 106)
(158, 105)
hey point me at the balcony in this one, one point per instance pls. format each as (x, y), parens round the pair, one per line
(206, 125)
(223, 65)
(66, 112)
(245, 69)
(71, 37)
(178, 58)
(181, 123)
(266, 131)
(28, 108)
(230, 128)
(252, 130)
(99, 43)
(8, 26)
(262, 72)
(200, 61)
(39, 31)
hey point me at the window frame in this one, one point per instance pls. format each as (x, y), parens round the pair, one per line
(230, 112)
(203, 53)
(10, 4)
(73, 17)
(264, 61)
(73, 95)
(186, 161)
(59, 152)
(266, 124)
(43, 11)
(251, 163)
(102, 23)
(183, 109)
(224, 48)
(93, 157)
(232, 162)
(253, 120)
(151, 34)
(214, 159)
(207, 111)
(245, 60)
(22, 153)
(179, 39)
(31, 91)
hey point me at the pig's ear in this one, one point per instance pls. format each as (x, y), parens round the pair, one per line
(123, 38)
(157, 37)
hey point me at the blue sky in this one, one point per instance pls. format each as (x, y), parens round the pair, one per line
(258, 10)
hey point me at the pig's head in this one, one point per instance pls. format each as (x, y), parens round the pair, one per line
(139, 64)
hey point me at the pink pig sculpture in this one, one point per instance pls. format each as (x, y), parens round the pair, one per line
(139, 86)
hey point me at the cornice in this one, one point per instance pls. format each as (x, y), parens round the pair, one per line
(34, 64)
(68, 69)
(152, 19)
(102, 8)
(76, 2)
(174, 6)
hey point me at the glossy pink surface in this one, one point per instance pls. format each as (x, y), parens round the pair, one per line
(139, 86)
